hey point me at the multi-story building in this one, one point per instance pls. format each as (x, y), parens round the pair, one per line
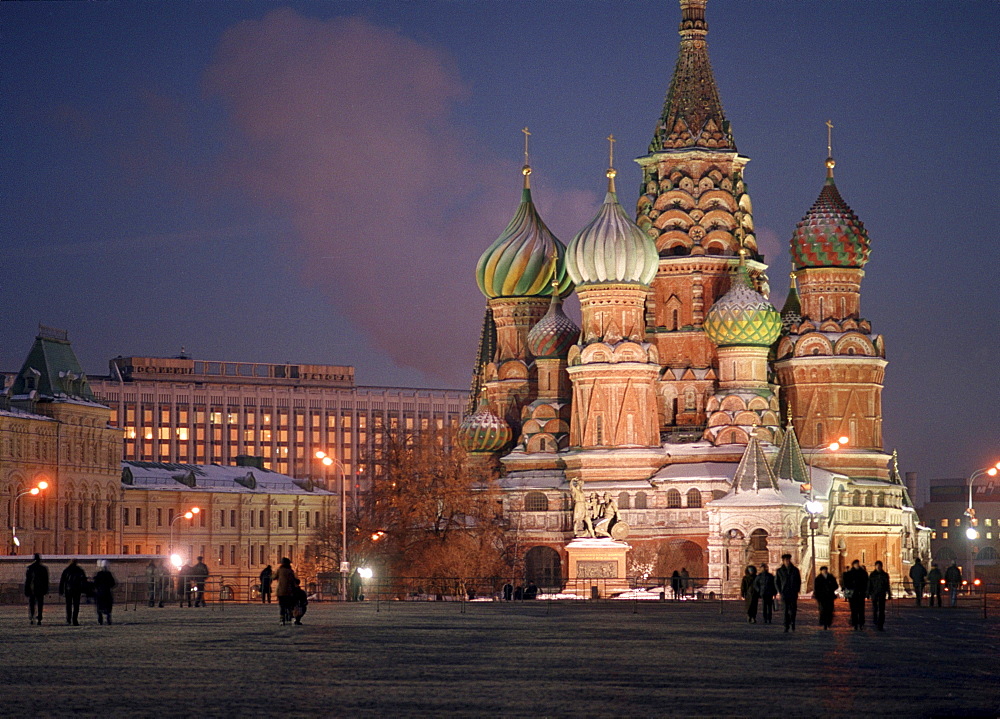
(673, 415)
(52, 429)
(945, 512)
(247, 516)
(186, 411)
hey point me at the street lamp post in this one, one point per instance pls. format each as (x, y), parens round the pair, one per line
(971, 532)
(187, 515)
(344, 566)
(34, 491)
(814, 508)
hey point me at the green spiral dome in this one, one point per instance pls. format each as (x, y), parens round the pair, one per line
(483, 431)
(742, 317)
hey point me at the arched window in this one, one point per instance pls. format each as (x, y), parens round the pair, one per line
(880, 501)
(869, 499)
(640, 500)
(536, 502)
(694, 498)
(856, 498)
(599, 430)
(673, 498)
(675, 324)
(542, 566)
(624, 501)
(987, 554)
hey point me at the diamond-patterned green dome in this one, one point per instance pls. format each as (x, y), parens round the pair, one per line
(742, 316)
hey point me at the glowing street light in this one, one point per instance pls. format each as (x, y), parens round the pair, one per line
(814, 508)
(345, 566)
(187, 515)
(972, 533)
(34, 491)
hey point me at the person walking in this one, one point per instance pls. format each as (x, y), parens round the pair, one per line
(104, 598)
(825, 592)
(934, 580)
(152, 581)
(766, 589)
(879, 590)
(855, 584)
(685, 582)
(952, 578)
(199, 577)
(918, 577)
(72, 583)
(749, 593)
(36, 586)
(675, 585)
(300, 601)
(789, 583)
(265, 584)
(286, 589)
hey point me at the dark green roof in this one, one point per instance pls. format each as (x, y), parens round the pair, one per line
(789, 462)
(52, 369)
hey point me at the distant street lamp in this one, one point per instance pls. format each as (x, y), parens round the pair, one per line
(34, 491)
(971, 532)
(187, 515)
(345, 566)
(814, 508)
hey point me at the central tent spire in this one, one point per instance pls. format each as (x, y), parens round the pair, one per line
(692, 113)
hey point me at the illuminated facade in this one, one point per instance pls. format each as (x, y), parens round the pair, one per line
(248, 516)
(187, 411)
(53, 430)
(685, 393)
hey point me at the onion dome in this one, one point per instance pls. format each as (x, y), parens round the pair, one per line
(742, 316)
(554, 334)
(518, 263)
(830, 235)
(483, 431)
(612, 248)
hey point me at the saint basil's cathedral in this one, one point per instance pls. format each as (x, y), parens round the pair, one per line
(687, 423)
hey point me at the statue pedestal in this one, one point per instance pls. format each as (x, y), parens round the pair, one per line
(596, 567)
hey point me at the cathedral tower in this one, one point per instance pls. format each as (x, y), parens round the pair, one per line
(829, 363)
(695, 207)
(613, 369)
(516, 274)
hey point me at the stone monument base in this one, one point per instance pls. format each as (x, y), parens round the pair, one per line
(596, 567)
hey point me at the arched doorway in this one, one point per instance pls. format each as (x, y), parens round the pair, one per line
(543, 567)
(677, 554)
(758, 546)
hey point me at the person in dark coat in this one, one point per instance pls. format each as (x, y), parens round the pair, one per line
(36, 586)
(265, 585)
(918, 577)
(300, 601)
(675, 584)
(104, 598)
(825, 592)
(72, 584)
(285, 590)
(934, 580)
(766, 588)
(855, 584)
(952, 578)
(199, 577)
(508, 592)
(749, 593)
(789, 583)
(878, 591)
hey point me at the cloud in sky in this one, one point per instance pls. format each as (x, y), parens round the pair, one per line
(348, 129)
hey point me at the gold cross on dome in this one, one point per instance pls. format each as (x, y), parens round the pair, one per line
(526, 136)
(829, 138)
(611, 150)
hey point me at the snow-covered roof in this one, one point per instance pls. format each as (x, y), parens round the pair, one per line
(166, 476)
(22, 414)
(787, 494)
(696, 471)
(534, 479)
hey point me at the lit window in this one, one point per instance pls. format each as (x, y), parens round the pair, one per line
(147, 433)
(944, 535)
(989, 535)
(164, 433)
(989, 522)
(182, 433)
(944, 522)
(958, 522)
(215, 417)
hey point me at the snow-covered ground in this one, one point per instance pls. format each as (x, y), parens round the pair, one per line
(537, 658)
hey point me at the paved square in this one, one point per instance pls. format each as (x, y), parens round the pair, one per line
(561, 659)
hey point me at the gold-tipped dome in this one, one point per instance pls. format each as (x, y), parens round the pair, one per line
(612, 248)
(742, 316)
(518, 263)
(484, 431)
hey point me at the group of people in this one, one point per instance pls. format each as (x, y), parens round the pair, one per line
(933, 580)
(857, 585)
(192, 580)
(761, 588)
(680, 583)
(512, 593)
(73, 585)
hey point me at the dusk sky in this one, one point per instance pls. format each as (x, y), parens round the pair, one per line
(314, 182)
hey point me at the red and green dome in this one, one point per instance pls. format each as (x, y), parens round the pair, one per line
(554, 334)
(830, 235)
(483, 431)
